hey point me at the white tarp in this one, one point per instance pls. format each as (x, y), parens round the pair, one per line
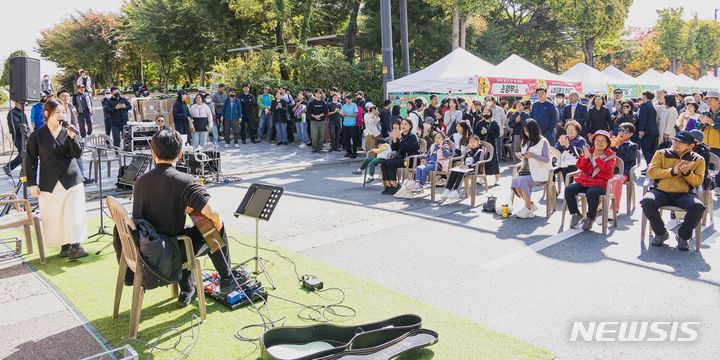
(708, 82)
(456, 72)
(617, 73)
(593, 81)
(650, 77)
(518, 68)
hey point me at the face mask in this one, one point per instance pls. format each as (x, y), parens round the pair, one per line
(116, 95)
(486, 116)
(207, 101)
(108, 96)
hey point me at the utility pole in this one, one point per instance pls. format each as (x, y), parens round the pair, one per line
(386, 43)
(404, 38)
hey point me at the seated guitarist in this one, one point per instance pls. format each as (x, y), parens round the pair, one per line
(162, 195)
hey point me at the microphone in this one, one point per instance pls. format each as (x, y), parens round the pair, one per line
(69, 127)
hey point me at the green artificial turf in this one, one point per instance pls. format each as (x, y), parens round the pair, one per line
(89, 284)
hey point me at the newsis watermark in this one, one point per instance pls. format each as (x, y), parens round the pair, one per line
(634, 331)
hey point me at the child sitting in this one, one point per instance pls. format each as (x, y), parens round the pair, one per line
(434, 160)
(382, 151)
(457, 174)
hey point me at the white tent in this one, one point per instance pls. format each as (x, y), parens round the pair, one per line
(649, 77)
(456, 72)
(593, 81)
(618, 74)
(708, 82)
(687, 83)
(518, 68)
(669, 81)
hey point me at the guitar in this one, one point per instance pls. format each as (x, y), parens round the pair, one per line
(210, 234)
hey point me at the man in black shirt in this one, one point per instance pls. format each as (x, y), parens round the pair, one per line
(317, 111)
(161, 197)
(16, 122)
(247, 101)
(433, 110)
(386, 118)
(118, 107)
(84, 109)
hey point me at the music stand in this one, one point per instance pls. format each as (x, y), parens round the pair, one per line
(259, 203)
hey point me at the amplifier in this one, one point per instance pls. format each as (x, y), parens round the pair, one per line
(211, 164)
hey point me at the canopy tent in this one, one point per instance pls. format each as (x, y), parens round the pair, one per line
(521, 78)
(649, 80)
(593, 81)
(618, 74)
(708, 82)
(456, 72)
(687, 84)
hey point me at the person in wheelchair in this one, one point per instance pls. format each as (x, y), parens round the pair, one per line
(161, 197)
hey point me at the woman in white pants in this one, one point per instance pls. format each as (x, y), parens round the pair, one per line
(59, 184)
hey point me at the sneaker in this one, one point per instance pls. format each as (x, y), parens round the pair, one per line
(357, 172)
(65, 250)
(279, 143)
(534, 207)
(417, 188)
(186, 297)
(445, 193)
(353, 156)
(369, 180)
(658, 240)
(244, 142)
(453, 195)
(303, 146)
(228, 285)
(587, 225)
(394, 190)
(575, 220)
(523, 213)
(386, 190)
(88, 181)
(238, 145)
(6, 169)
(76, 252)
(347, 155)
(682, 243)
(254, 141)
(224, 145)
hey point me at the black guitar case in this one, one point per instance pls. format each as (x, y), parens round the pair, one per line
(379, 340)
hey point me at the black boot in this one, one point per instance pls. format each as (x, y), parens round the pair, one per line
(76, 252)
(65, 250)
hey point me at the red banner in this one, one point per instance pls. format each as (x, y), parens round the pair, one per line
(523, 87)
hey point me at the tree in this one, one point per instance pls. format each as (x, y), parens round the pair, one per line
(706, 47)
(87, 40)
(351, 30)
(588, 21)
(5, 78)
(672, 36)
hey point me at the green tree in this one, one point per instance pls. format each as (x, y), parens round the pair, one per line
(5, 78)
(706, 47)
(672, 36)
(87, 40)
(589, 21)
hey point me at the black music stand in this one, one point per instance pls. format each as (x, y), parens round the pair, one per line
(102, 231)
(259, 203)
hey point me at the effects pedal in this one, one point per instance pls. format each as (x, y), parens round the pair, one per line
(250, 290)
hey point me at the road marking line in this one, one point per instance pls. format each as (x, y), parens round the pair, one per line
(512, 257)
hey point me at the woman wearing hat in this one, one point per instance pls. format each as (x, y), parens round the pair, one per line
(595, 166)
(689, 119)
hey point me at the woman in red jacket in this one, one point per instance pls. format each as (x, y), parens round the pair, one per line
(595, 168)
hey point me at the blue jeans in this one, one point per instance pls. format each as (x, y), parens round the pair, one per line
(302, 133)
(215, 133)
(199, 138)
(550, 136)
(281, 132)
(422, 172)
(116, 135)
(265, 122)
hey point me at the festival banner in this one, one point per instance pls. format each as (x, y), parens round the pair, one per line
(503, 87)
(653, 88)
(630, 91)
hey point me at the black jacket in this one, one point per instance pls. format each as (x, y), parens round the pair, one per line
(56, 158)
(598, 120)
(16, 118)
(627, 151)
(647, 120)
(317, 107)
(385, 122)
(581, 114)
(118, 117)
(279, 114)
(493, 131)
(407, 145)
(248, 105)
(180, 110)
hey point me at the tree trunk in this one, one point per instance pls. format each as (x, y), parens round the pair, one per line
(463, 29)
(588, 48)
(702, 69)
(202, 76)
(280, 39)
(351, 31)
(165, 74)
(673, 65)
(455, 26)
(307, 12)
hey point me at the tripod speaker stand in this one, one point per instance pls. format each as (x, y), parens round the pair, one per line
(259, 203)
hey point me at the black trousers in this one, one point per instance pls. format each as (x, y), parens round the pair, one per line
(247, 126)
(455, 179)
(655, 199)
(182, 127)
(648, 144)
(85, 120)
(389, 168)
(349, 136)
(201, 248)
(335, 133)
(592, 194)
(17, 160)
(231, 127)
(108, 126)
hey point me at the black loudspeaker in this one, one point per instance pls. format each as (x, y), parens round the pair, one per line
(24, 79)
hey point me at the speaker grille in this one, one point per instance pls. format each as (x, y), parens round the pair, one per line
(24, 79)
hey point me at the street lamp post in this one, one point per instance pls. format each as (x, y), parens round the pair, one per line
(386, 44)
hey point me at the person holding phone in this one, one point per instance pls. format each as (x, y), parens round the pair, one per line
(570, 146)
(595, 165)
(676, 171)
(535, 165)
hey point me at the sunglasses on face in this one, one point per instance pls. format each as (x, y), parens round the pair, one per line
(624, 131)
(626, 107)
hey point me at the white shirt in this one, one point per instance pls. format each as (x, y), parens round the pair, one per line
(201, 111)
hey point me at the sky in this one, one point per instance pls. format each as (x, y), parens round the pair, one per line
(25, 19)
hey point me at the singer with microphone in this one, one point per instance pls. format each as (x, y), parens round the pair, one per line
(59, 185)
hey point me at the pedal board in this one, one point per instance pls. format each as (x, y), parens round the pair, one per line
(250, 291)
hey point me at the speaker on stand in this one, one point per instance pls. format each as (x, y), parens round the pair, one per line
(24, 79)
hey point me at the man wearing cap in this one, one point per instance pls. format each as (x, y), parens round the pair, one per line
(84, 110)
(264, 100)
(360, 99)
(710, 126)
(676, 172)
